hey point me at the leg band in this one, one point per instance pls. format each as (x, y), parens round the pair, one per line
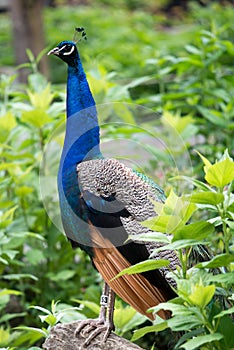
(104, 300)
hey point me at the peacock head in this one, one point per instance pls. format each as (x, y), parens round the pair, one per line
(67, 51)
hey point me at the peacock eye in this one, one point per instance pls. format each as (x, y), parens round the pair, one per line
(67, 48)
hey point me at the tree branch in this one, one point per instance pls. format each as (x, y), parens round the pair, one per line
(62, 337)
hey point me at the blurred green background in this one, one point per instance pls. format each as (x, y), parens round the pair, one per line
(172, 58)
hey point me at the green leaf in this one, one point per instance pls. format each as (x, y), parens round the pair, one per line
(149, 329)
(9, 291)
(176, 309)
(218, 261)
(200, 340)
(193, 49)
(189, 335)
(30, 55)
(10, 316)
(144, 266)
(7, 216)
(23, 191)
(91, 305)
(180, 244)
(221, 173)
(124, 112)
(4, 261)
(37, 82)
(127, 321)
(41, 100)
(197, 230)
(205, 161)
(35, 256)
(199, 184)
(213, 116)
(19, 276)
(176, 122)
(49, 319)
(184, 323)
(178, 206)
(226, 155)
(201, 295)
(7, 123)
(41, 309)
(8, 166)
(212, 198)
(163, 223)
(225, 312)
(227, 278)
(54, 306)
(41, 54)
(4, 336)
(69, 315)
(173, 214)
(151, 237)
(10, 253)
(63, 275)
(38, 331)
(123, 316)
(29, 336)
(36, 117)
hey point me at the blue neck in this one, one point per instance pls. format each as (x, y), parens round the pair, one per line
(81, 143)
(79, 95)
(82, 130)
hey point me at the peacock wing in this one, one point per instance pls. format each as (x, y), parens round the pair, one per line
(119, 199)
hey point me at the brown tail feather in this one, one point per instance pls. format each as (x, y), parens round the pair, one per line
(135, 289)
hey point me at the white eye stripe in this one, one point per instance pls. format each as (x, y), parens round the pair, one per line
(61, 48)
(68, 53)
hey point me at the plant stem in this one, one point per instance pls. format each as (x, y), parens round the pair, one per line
(223, 216)
(24, 213)
(183, 256)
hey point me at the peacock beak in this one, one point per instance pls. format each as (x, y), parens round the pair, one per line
(54, 51)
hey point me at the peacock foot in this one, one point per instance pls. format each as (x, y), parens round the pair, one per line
(93, 328)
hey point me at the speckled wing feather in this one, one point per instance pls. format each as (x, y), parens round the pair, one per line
(112, 187)
(108, 178)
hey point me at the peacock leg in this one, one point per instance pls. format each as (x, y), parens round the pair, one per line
(110, 314)
(103, 309)
(104, 323)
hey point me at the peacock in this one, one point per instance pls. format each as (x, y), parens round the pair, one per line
(102, 203)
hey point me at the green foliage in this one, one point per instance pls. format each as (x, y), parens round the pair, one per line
(143, 266)
(205, 289)
(59, 313)
(182, 76)
(196, 83)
